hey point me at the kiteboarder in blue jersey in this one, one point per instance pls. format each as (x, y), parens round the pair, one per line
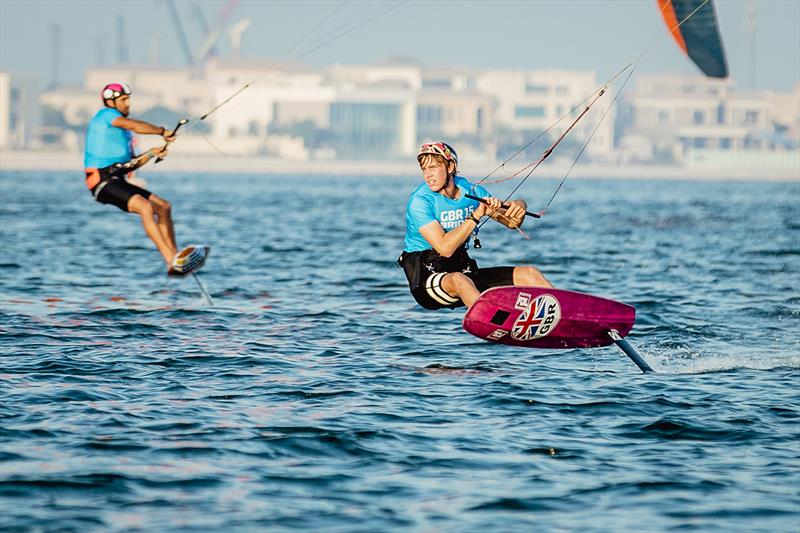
(440, 219)
(109, 159)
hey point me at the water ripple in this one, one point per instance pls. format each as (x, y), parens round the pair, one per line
(316, 396)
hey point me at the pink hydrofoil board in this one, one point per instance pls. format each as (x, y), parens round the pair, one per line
(537, 317)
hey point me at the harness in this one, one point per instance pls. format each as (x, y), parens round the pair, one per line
(97, 178)
(413, 264)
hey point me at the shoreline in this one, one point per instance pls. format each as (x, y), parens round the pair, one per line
(70, 161)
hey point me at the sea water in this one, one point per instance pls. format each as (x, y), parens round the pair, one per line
(315, 395)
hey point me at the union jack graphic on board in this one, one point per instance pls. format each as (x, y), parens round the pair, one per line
(538, 319)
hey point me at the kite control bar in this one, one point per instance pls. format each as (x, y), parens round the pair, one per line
(181, 122)
(481, 200)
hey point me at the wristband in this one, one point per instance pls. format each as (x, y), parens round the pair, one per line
(163, 131)
(472, 218)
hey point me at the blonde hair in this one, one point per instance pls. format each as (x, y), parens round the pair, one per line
(426, 159)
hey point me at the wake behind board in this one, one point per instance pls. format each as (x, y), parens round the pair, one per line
(536, 317)
(189, 260)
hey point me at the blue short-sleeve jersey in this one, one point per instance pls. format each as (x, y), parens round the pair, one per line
(426, 206)
(106, 144)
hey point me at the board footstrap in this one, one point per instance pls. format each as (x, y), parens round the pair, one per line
(189, 259)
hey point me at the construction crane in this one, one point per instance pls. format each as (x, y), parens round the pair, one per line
(122, 42)
(200, 17)
(212, 36)
(176, 20)
(235, 35)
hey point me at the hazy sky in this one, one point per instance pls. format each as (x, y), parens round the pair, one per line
(596, 35)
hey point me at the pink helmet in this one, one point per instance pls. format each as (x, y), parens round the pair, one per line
(441, 149)
(112, 91)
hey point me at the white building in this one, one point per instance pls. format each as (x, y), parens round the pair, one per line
(19, 111)
(704, 121)
(533, 100)
(273, 98)
(447, 114)
(183, 90)
(5, 108)
(364, 114)
(374, 121)
(78, 105)
(406, 73)
(449, 107)
(787, 112)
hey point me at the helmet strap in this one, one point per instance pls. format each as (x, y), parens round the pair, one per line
(446, 182)
(450, 175)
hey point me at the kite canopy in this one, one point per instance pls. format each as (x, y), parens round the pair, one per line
(693, 25)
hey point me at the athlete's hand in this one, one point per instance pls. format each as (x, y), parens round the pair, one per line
(516, 209)
(160, 153)
(489, 205)
(169, 135)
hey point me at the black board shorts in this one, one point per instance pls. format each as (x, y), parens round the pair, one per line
(117, 191)
(425, 271)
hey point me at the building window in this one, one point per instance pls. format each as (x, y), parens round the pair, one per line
(276, 113)
(362, 130)
(699, 117)
(252, 129)
(429, 114)
(751, 143)
(436, 83)
(663, 116)
(532, 88)
(725, 143)
(528, 111)
(700, 142)
(751, 117)
(721, 114)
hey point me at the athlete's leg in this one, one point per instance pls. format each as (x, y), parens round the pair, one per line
(142, 207)
(457, 284)
(163, 211)
(530, 276)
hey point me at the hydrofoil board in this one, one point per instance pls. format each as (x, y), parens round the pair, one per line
(536, 317)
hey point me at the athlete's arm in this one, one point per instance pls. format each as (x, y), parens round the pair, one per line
(142, 127)
(447, 242)
(142, 159)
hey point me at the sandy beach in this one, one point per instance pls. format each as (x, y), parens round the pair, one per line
(64, 161)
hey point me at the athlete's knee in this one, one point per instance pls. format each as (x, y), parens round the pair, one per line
(525, 275)
(138, 204)
(456, 282)
(161, 206)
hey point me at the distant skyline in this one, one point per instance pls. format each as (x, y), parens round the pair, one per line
(569, 34)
